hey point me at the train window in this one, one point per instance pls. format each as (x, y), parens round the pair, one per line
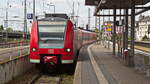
(51, 35)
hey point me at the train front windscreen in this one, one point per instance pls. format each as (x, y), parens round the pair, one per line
(51, 34)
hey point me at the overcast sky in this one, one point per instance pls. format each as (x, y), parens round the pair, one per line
(62, 6)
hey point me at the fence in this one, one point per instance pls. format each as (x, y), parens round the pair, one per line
(13, 44)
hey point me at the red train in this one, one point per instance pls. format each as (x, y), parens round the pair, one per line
(55, 40)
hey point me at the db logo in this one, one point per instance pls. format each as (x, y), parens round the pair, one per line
(51, 51)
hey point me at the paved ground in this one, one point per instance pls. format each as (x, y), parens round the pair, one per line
(84, 71)
(114, 70)
(110, 67)
(86, 67)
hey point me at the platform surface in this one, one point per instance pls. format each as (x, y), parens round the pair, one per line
(109, 66)
(13, 52)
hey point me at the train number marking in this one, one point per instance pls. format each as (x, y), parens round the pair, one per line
(50, 51)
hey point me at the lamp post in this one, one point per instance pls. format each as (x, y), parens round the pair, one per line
(25, 19)
(34, 10)
(6, 21)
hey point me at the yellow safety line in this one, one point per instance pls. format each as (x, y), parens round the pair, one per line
(143, 48)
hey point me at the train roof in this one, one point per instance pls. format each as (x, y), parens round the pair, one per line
(57, 19)
(61, 15)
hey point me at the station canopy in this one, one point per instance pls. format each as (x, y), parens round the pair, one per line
(110, 4)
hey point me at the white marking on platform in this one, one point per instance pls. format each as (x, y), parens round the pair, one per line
(99, 74)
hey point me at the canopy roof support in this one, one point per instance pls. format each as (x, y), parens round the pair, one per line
(121, 4)
(131, 56)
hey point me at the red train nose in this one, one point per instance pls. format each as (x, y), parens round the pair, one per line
(50, 59)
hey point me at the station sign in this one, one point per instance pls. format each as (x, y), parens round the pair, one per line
(30, 16)
(109, 27)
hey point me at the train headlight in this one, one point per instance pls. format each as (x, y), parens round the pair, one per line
(67, 49)
(33, 49)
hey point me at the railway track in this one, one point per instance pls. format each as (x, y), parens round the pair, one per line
(46, 79)
(63, 75)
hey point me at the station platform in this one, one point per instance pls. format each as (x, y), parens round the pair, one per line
(97, 65)
(13, 52)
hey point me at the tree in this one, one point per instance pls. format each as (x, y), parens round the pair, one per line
(9, 29)
(144, 38)
(1, 28)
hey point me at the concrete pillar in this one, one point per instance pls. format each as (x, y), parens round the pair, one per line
(126, 28)
(131, 58)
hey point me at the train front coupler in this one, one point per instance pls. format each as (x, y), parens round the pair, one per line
(50, 60)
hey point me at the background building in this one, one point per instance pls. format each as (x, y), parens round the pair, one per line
(143, 27)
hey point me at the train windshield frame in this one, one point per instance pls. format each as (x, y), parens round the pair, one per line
(51, 34)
